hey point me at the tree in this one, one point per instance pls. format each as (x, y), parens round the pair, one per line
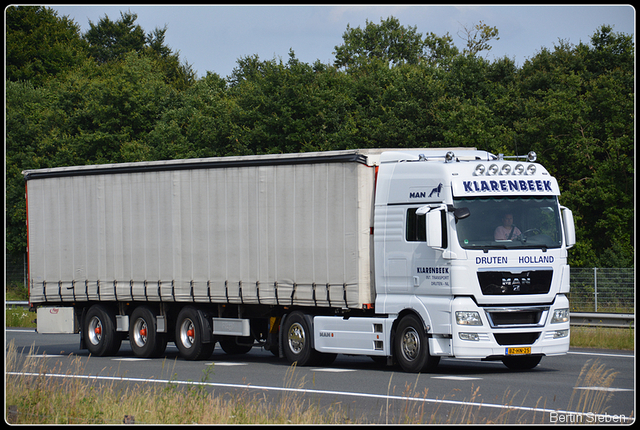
(40, 45)
(109, 40)
(389, 42)
(478, 38)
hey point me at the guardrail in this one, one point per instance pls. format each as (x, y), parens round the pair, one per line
(585, 319)
(599, 319)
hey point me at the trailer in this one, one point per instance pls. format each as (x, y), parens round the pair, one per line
(373, 252)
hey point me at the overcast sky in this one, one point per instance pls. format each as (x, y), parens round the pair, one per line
(213, 38)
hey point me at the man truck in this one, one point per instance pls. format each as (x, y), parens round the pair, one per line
(390, 254)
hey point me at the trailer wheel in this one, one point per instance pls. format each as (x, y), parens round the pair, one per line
(522, 363)
(100, 336)
(143, 334)
(189, 334)
(296, 342)
(412, 346)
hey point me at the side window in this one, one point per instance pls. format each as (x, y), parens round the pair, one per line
(416, 229)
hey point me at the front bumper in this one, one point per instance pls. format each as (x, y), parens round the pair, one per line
(495, 339)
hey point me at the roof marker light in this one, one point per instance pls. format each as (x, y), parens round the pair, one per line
(479, 171)
(519, 169)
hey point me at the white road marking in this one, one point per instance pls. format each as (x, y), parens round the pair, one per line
(334, 370)
(130, 359)
(602, 389)
(224, 363)
(456, 378)
(44, 355)
(600, 354)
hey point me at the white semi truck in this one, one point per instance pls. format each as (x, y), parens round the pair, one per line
(393, 254)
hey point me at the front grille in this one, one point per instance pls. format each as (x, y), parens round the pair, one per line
(532, 316)
(508, 283)
(516, 338)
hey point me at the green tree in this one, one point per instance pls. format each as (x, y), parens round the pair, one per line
(110, 40)
(389, 41)
(478, 38)
(39, 44)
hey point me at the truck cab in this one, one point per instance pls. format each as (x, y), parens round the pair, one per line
(442, 255)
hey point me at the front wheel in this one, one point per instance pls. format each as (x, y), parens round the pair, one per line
(412, 346)
(189, 334)
(296, 342)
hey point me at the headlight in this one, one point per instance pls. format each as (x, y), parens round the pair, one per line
(560, 316)
(468, 318)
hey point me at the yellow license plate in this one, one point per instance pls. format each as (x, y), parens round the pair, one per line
(519, 351)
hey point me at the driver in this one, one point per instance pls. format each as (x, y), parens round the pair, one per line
(506, 231)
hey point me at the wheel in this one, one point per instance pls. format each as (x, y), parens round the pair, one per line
(143, 334)
(189, 333)
(412, 347)
(521, 363)
(99, 331)
(297, 340)
(231, 347)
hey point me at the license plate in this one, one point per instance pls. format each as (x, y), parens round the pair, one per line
(518, 351)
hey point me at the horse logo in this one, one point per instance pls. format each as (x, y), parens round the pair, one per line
(436, 190)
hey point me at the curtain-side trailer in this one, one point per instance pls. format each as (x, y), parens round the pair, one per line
(385, 253)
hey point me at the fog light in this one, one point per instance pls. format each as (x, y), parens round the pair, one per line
(469, 336)
(479, 171)
(561, 333)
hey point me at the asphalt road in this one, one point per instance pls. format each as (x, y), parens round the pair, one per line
(370, 392)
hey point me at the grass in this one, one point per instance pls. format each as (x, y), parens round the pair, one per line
(39, 399)
(603, 337)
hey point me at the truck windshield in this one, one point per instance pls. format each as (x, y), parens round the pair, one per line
(509, 223)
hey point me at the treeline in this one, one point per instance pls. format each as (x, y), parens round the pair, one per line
(117, 94)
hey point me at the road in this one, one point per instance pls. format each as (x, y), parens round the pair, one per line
(366, 390)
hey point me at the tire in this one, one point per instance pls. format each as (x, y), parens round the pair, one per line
(99, 331)
(143, 334)
(412, 346)
(189, 334)
(521, 363)
(296, 340)
(231, 347)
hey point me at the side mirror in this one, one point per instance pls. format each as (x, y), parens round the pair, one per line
(569, 226)
(435, 238)
(461, 213)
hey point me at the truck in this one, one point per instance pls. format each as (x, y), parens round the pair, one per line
(387, 253)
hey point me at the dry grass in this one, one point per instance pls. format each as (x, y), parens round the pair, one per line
(41, 399)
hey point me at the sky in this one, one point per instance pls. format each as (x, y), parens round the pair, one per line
(212, 38)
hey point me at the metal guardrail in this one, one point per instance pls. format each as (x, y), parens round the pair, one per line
(599, 319)
(585, 319)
